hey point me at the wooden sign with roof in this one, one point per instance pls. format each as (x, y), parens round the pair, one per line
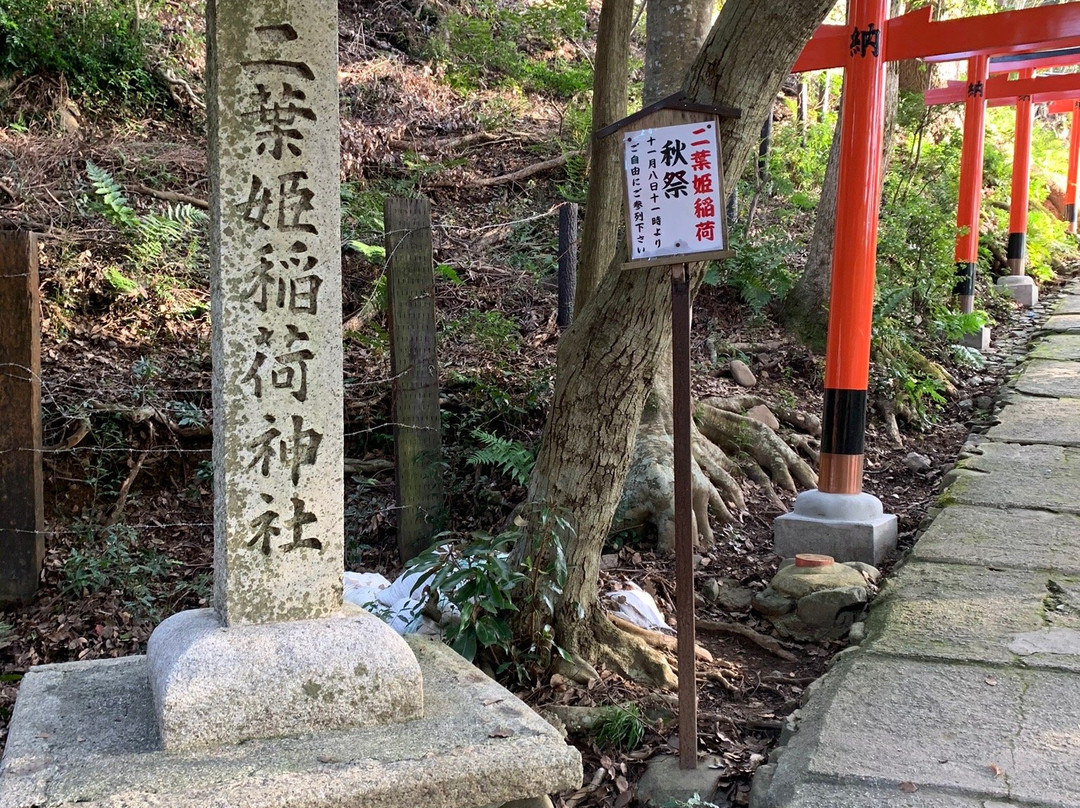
(674, 182)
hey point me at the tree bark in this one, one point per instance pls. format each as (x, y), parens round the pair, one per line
(608, 358)
(674, 33)
(603, 202)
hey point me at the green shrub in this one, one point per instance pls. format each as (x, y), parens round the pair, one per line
(98, 46)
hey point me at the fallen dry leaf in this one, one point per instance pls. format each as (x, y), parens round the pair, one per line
(908, 787)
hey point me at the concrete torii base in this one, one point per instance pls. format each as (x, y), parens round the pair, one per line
(848, 527)
(1021, 287)
(84, 732)
(979, 340)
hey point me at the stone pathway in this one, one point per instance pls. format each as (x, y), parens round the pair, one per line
(966, 691)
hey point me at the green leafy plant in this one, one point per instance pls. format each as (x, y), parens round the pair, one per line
(475, 573)
(621, 728)
(100, 47)
(110, 558)
(510, 456)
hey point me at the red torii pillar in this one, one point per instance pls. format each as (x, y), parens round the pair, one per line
(1074, 163)
(867, 533)
(967, 212)
(837, 518)
(1022, 288)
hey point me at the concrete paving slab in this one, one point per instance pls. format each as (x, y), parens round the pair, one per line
(1016, 539)
(1035, 419)
(1062, 324)
(828, 795)
(888, 720)
(1059, 347)
(1067, 304)
(84, 732)
(1007, 475)
(959, 612)
(1048, 377)
(1047, 750)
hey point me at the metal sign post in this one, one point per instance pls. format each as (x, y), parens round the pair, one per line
(675, 214)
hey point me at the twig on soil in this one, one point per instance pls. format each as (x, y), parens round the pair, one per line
(770, 644)
(724, 682)
(170, 196)
(664, 642)
(125, 488)
(513, 176)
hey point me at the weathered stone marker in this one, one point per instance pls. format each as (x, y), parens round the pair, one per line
(22, 540)
(277, 696)
(278, 487)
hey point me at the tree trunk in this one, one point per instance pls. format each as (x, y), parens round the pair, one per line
(608, 358)
(603, 203)
(674, 34)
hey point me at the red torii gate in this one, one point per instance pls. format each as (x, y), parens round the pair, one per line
(1024, 92)
(838, 518)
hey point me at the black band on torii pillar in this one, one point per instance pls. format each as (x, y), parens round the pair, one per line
(965, 279)
(1017, 246)
(1070, 214)
(844, 424)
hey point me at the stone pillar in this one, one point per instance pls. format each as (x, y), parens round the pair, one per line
(288, 661)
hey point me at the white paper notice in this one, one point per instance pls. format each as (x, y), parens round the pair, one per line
(673, 189)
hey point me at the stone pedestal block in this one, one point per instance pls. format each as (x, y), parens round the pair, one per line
(215, 684)
(979, 340)
(848, 527)
(1021, 287)
(84, 732)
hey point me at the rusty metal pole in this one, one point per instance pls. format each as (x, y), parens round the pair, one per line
(684, 539)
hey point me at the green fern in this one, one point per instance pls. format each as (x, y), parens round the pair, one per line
(114, 204)
(510, 456)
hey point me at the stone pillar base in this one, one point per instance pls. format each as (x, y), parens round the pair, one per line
(979, 340)
(83, 733)
(848, 527)
(214, 684)
(1021, 287)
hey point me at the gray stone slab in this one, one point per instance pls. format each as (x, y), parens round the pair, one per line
(84, 733)
(1046, 765)
(1018, 539)
(1047, 377)
(867, 795)
(999, 734)
(1062, 324)
(1067, 304)
(1034, 419)
(1060, 347)
(959, 612)
(1007, 475)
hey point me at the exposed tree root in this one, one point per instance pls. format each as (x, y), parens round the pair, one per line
(665, 642)
(720, 432)
(770, 644)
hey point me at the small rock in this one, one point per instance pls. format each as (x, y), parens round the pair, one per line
(870, 573)
(763, 415)
(965, 404)
(742, 374)
(917, 462)
(609, 561)
(826, 608)
(984, 403)
(796, 582)
(857, 633)
(732, 596)
(771, 603)
(711, 590)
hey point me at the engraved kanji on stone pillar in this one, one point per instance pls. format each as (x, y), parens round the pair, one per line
(275, 256)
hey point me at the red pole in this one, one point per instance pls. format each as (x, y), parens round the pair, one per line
(847, 356)
(1074, 162)
(971, 169)
(1021, 179)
